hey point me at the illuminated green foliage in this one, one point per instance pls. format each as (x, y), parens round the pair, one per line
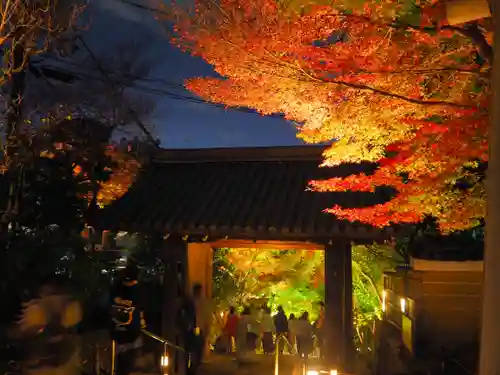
(295, 280)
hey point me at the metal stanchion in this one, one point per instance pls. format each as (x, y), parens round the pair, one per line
(113, 356)
(97, 363)
(164, 363)
(277, 355)
(280, 338)
(165, 360)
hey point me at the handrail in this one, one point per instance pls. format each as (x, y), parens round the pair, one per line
(162, 340)
(164, 361)
(279, 338)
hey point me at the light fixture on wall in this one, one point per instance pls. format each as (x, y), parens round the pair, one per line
(384, 301)
(164, 361)
(402, 302)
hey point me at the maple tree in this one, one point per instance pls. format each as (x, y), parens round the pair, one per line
(384, 80)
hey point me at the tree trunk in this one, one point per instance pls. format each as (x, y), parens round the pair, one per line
(13, 122)
(489, 363)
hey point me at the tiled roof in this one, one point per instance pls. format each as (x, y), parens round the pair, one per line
(253, 193)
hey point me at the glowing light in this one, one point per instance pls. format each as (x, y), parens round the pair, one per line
(403, 304)
(384, 300)
(334, 372)
(222, 314)
(312, 372)
(164, 361)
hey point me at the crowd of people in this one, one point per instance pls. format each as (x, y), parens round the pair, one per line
(57, 315)
(258, 329)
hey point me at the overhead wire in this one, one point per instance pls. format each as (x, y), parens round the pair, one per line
(158, 91)
(133, 113)
(144, 7)
(115, 78)
(75, 64)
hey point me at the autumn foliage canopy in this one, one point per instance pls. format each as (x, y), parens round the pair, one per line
(409, 95)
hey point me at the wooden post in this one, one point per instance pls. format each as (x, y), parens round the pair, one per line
(338, 301)
(348, 324)
(200, 266)
(174, 290)
(200, 262)
(489, 363)
(334, 286)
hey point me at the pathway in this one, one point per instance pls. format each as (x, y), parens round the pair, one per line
(257, 364)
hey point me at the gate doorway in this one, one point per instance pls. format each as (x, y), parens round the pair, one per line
(337, 274)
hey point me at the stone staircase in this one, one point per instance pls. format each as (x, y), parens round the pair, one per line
(257, 364)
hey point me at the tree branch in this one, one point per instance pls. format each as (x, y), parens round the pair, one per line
(402, 97)
(388, 93)
(429, 71)
(473, 32)
(470, 31)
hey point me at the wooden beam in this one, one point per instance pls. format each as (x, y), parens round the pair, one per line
(278, 245)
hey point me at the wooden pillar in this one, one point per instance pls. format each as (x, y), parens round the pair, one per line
(174, 290)
(209, 272)
(200, 260)
(348, 323)
(338, 300)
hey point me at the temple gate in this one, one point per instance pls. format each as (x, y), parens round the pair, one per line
(197, 200)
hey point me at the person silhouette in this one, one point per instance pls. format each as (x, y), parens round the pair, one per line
(47, 329)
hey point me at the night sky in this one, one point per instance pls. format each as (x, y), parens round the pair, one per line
(180, 123)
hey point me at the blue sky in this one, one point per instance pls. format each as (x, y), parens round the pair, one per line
(182, 124)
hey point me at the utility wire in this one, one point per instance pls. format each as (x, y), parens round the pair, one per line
(134, 115)
(111, 73)
(144, 7)
(166, 83)
(153, 90)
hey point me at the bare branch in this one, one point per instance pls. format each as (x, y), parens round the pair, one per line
(109, 101)
(34, 24)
